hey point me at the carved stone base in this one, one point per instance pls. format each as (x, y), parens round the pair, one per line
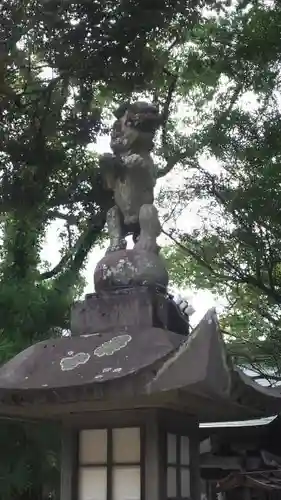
(126, 268)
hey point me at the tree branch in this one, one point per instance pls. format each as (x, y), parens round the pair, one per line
(241, 276)
(193, 254)
(166, 109)
(177, 158)
(165, 170)
(79, 251)
(71, 219)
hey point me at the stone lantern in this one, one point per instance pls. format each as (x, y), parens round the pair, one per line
(131, 384)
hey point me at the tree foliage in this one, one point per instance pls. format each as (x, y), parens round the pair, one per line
(63, 67)
(231, 156)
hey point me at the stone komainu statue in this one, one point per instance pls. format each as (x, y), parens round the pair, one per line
(131, 174)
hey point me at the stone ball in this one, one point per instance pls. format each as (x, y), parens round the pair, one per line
(126, 268)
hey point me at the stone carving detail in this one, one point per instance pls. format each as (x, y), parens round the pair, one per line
(130, 173)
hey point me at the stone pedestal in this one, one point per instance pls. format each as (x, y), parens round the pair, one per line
(130, 268)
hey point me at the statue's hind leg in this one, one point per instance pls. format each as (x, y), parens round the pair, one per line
(150, 229)
(115, 230)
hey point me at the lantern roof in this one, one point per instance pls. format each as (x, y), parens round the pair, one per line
(148, 359)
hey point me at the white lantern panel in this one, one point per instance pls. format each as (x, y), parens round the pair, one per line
(184, 450)
(126, 445)
(93, 446)
(171, 482)
(126, 483)
(92, 483)
(172, 448)
(185, 483)
(205, 446)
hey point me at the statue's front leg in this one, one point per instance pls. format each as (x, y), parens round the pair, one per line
(115, 230)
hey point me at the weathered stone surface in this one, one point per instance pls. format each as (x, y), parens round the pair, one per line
(125, 268)
(88, 360)
(130, 171)
(139, 307)
(150, 229)
(133, 367)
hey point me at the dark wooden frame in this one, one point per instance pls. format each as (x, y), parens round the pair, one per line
(181, 424)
